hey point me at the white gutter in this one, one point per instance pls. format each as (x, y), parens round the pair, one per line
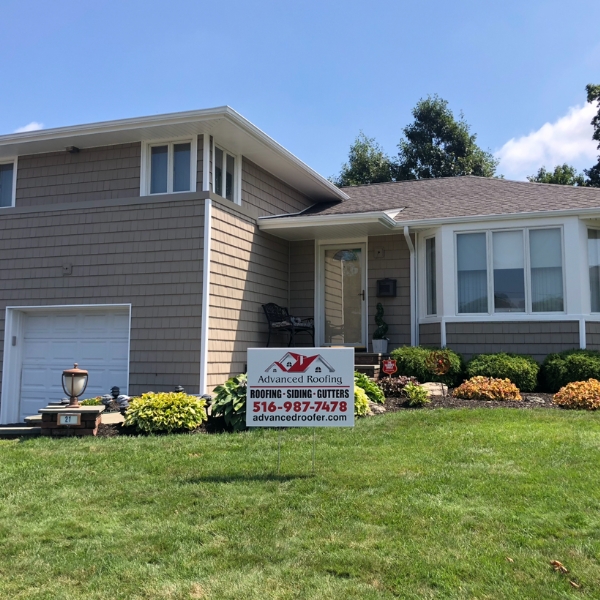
(414, 322)
(205, 327)
(383, 217)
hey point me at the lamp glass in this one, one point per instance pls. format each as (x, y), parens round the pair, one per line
(75, 384)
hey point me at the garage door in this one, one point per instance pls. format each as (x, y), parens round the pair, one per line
(96, 339)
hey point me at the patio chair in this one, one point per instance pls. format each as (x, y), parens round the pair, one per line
(279, 319)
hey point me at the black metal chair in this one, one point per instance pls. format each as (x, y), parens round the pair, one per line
(279, 319)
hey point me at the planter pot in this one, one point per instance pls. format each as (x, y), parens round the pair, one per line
(380, 346)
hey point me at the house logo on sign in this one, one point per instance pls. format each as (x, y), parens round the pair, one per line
(299, 363)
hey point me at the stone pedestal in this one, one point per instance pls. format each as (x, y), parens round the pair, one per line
(90, 419)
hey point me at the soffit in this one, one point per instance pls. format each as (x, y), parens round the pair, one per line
(332, 232)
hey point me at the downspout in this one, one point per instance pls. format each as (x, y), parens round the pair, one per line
(205, 268)
(413, 288)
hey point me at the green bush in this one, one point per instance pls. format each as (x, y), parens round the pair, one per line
(165, 412)
(361, 402)
(230, 402)
(521, 370)
(372, 390)
(412, 362)
(417, 395)
(567, 367)
(91, 402)
(393, 387)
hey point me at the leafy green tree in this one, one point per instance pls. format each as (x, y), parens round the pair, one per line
(562, 175)
(438, 145)
(367, 163)
(593, 95)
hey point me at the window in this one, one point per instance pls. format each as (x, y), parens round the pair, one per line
(594, 265)
(7, 184)
(497, 265)
(430, 276)
(225, 175)
(170, 167)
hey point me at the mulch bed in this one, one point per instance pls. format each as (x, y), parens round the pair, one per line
(530, 401)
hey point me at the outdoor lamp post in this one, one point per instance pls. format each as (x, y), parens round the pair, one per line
(74, 382)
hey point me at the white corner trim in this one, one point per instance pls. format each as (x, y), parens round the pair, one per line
(205, 327)
(582, 334)
(413, 303)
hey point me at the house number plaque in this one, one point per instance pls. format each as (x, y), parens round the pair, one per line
(69, 419)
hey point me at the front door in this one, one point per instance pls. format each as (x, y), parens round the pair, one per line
(343, 295)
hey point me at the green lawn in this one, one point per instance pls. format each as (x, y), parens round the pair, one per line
(416, 504)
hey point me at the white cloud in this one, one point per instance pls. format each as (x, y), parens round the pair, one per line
(33, 126)
(567, 140)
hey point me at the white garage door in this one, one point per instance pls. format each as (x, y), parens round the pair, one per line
(98, 340)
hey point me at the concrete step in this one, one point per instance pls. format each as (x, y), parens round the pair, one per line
(34, 420)
(368, 358)
(371, 371)
(18, 430)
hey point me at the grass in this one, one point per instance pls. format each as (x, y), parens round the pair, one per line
(415, 504)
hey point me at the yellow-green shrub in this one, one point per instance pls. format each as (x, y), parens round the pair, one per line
(487, 388)
(579, 394)
(165, 411)
(361, 402)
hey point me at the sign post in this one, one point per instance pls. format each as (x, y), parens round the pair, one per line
(303, 387)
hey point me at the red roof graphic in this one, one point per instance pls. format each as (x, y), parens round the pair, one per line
(300, 363)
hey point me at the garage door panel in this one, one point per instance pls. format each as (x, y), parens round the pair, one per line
(97, 340)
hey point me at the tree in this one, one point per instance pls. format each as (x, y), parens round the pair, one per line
(437, 145)
(593, 95)
(562, 175)
(367, 163)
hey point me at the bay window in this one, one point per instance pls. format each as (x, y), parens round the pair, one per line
(225, 174)
(496, 274)
(594, 267)
(430, 276)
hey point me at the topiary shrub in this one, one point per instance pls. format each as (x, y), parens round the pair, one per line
(579, 394)
(165, 412)
(412, 362)
(361, 402)
(487, 388)
(521, 370)
(372, 390)
(567, 367)
(393, 387)
(230, 402)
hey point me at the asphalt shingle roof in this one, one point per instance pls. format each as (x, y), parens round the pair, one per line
(459, 196)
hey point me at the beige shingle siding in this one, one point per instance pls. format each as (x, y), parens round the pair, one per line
(536, 338)
(430, 335)
(394, 264)
(149, 255)
(592, 332)
(91, 174)
(248, 268)
(269, 195)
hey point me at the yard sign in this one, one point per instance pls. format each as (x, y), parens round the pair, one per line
(303, 387)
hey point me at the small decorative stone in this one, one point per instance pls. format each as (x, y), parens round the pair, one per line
(376, 409)
(535, 399)
(435, 388)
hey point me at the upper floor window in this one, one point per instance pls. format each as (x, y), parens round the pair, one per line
(225, 175)
(170, 167)
(510, 271)
(8, 174)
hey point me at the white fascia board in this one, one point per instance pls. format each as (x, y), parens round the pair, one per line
(269, 223)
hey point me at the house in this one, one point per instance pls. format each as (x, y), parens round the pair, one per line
(144, 248)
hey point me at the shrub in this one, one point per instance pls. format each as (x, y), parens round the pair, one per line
(361, 402)
(567, 367)
(579, 394)
(417, 395)
(521, 370)
(165, 411)
(230, 402)
(393, 387)
(372, 390)
(487, 388)
(91, 401)
(412, 361)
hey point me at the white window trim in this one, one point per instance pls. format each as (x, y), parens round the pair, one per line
(145, 170)
(237, 175)
(528, 312)
(14, 161)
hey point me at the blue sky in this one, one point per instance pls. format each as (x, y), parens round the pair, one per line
(312, 74)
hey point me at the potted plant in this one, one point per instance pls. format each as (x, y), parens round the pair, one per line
(380, 342)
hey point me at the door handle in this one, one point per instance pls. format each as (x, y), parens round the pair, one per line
(363, 295)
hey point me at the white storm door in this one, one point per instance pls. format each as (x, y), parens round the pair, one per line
(343, 289)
